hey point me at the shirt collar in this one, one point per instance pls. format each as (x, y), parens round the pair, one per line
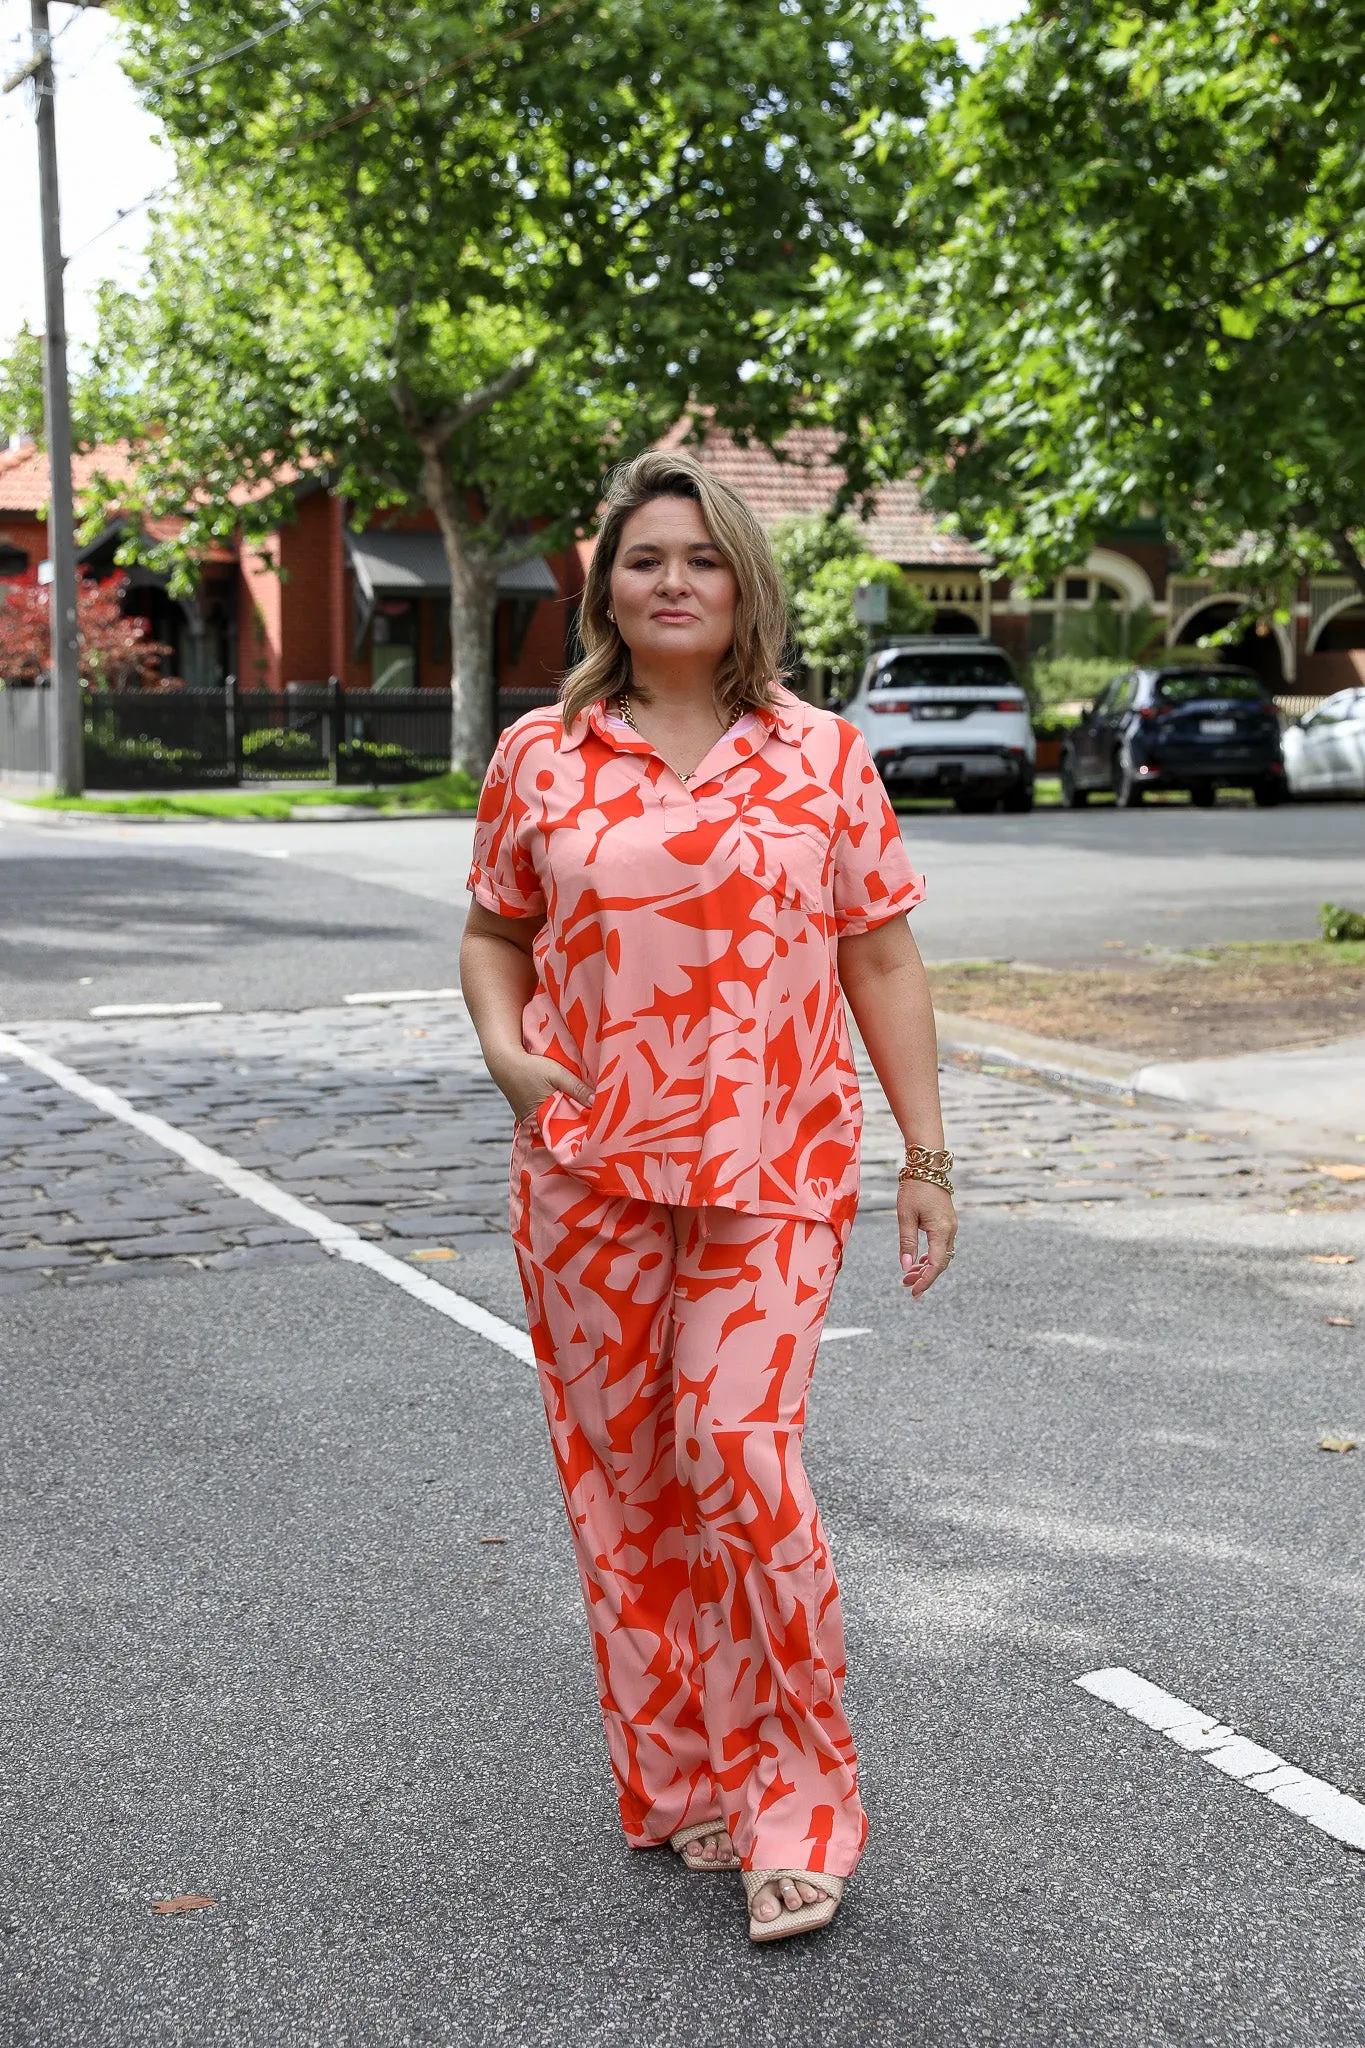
(787, 719)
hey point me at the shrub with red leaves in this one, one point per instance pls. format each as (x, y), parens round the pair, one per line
(116, 653)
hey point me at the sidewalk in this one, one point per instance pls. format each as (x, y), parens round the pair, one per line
(1318, 1089)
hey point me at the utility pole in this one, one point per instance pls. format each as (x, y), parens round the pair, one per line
(65, 715)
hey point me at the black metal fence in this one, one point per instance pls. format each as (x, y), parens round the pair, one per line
(309, 732)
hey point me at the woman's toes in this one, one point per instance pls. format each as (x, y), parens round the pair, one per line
(767, 1905)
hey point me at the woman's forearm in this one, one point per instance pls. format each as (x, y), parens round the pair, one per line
(498, 980)
(887, 990)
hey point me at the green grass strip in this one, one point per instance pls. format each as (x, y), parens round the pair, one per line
(442, 795)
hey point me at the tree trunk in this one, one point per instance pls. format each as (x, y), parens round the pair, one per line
(473, 684)
(473, 611)
(1345, 550)
(473, 571)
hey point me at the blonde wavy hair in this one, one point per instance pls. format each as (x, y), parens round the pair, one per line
(754, 664)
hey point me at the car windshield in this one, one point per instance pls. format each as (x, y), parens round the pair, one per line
(937, 671)
(1200, 686)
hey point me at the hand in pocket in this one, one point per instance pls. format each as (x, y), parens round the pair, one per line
(529, 1080)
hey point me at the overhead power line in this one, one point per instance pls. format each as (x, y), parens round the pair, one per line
(249, 43)
(404, 91)
(121, 215)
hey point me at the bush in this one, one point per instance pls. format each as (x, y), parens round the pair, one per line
(831, 637)
(802, 548)
(1339, 925)
(274, 739)
(1053, 725)
(1071, 678)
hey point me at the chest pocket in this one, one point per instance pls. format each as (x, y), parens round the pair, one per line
(789, 865)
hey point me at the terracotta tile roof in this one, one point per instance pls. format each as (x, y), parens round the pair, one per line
(24, 487)
(24, 474)
(805, 480)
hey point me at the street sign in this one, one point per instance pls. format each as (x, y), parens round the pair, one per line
(869, 604)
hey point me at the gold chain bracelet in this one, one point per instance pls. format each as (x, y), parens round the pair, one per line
(933, 1166)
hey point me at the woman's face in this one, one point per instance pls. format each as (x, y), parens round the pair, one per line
(672, 590)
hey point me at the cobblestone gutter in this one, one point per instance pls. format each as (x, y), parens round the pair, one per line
(385, 1119)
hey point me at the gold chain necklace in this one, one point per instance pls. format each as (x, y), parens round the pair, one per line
(624, 711)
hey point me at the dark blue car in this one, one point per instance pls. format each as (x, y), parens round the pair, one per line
(1176, 727)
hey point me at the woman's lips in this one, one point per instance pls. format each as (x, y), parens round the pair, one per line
(676, 618)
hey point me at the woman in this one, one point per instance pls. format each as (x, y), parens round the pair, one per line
(679, 872)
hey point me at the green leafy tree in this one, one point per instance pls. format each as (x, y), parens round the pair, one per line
(802, 545)
(831, 636)
(1141, 288)
(21, 387)
(472, 253)
(97, 410)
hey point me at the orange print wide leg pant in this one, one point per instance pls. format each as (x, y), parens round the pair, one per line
(675, 1349)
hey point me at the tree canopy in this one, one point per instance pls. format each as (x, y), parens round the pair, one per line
(471, 255)
(1140, 288)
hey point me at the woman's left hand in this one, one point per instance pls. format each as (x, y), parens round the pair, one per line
(920, 1206)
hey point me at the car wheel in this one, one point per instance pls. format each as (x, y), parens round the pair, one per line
(1128, 791)
(1265, 795)
(1020, 799)
(1203, 795)
(975, 806)
(1073, 796)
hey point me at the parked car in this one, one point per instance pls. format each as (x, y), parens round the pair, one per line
(947, 717)
(1176, 726)
(1324, 751)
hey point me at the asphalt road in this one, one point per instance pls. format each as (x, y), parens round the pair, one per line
(260, 916)
(258, 1650)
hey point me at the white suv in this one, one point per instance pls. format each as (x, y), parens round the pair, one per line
(947, 717)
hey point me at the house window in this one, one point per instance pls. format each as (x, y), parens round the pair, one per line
(393, 644)
(13, 561)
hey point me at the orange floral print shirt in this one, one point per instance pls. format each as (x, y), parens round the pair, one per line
(688, 960)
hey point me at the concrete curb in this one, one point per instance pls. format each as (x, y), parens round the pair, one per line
(1265, 1086)
(1113, 1073)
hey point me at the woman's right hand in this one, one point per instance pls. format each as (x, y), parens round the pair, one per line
(527, 1079)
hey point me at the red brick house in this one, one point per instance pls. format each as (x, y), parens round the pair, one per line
(371, 608)
(314, 601)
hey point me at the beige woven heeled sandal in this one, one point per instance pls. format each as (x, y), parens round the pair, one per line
(801, 1920)
(698, 1832)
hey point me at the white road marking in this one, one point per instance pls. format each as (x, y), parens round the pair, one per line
(268, 852)
(833, 1336)
(1260, 1770)
(337, 1238)
(154, 1009)
(406, 995)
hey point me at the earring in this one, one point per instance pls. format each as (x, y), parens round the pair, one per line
(611, 616)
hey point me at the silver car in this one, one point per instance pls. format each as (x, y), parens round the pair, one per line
(947, 717)
(1324, 751)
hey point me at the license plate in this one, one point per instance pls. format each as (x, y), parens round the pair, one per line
(937, 711)
(1218, 728)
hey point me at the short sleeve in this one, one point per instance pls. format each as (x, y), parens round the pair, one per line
(502, 875)
(873, 878)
